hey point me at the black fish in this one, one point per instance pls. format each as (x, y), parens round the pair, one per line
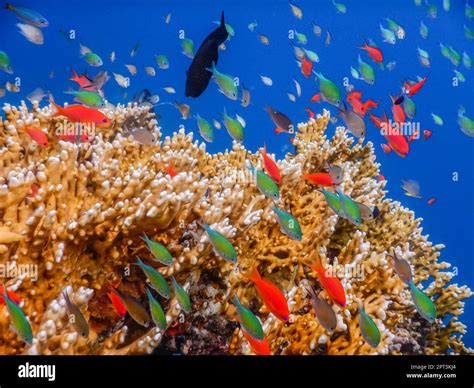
(197, 76)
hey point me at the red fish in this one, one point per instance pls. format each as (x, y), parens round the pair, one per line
(386, 148)
(369, 104)
(398, 143)
(81, 114)
(320, 178)
(271, 295)
(380, 178)
(82, 80)
(117, 304)
(411, 89)
(34, 190)
(13, 297)
(270, 166)
(260, 348)
(414, 136)
(374, 52)
(427, 134)
(355, 99)
(310, 112)
(306, 67)
(316, 98)
(37, 135)
(331, 284)
(431, 201)
(170, 170)
(397, 110)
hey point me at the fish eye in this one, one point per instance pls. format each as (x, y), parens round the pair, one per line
(104, 120)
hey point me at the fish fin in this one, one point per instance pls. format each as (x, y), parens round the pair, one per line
(222, 19)
(278, 130)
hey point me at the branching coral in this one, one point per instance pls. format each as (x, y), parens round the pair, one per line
(92, 202)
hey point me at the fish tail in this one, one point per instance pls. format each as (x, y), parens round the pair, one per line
(311, 291)
(74, 76)
(235, 300)
(254, 275)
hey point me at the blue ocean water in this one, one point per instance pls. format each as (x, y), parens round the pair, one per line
(443, 164)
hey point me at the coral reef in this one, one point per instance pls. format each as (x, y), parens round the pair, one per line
(92, 201)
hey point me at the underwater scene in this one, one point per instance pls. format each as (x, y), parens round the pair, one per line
(236, 177)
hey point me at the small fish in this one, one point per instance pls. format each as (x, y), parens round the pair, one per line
(427, 134)
(310, 112)
(216, 124)
(311, 55)
(117, 304)
(79, 113)
(460, 76)
(11, 295)
(368, 328)
(170, 169)
(75, 317)
(205, 129)
(184, 109)
(150, 71)
(465, 123)
(160, 253)
(156, 279)
(297, 87)
(93, 59)
(169, 90)
(323, 311)
(134, 309)
(263, 39)
(18, 318)
(245, 99)
(135, 49)
(469, 10)
(132, 69)
(355, 124)
(444, 51)
(423, 304)
(454, 56)
(320, 178)
(336, 173)
(271, 295)
(221, 245)
(333, 202)
(396, 28)
(270, 166)
(350, 208)
(432, 11)
(259, 347)
(306, 66)
(37, 134)
(188, 47)
(5, 64)
(409, 107)
(157, 314)
(264, 183)
(437, 119)
(281, 121)
(226, 83)
(12, 87)
(411, 188)
(340, 7)
(181, 296)
(386, 148)
(413, 88)
(466, 60)
(423, 57)
(291, 97)
(88, 98)
(424, 31)
(234, 127)
(316, 29)
(112, 56)
(402, 268)
(374, 52)
(431, 201)
(388, 35)
(168, 18)
(301, 38)
(162, 61)
(328, 38)
(297, 12)
(329, 91)
(468, 33)
(29, 16)
(37, 95)
(366, 71)
(266, 80)
(391, 65)
(331, 284)
(289, 225)
(228, 27)
(252, 26)
(447, 5)
(354, 73)
(143, 136)
(32, 34)
(248, 321)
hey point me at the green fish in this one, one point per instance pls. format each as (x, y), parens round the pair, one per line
(432, 11)
(87, 97)
(418, 2)
(368, 329)
(289, 225)
(329, 91)
(234, 128)
(18, 318)
(264, 183)
(340, 8)
(135, 49)
(447, 5)
(468, 33)
(459, 76)
(423, 304)
(388, 35)
(355, 74)
(205, 129)
(454, 56)
(248, 320)
(5, 63)
(366, 71)
(301, 38)
(466, 124)
(466, 60)
(396, 28)
(311, 55)
(181, 296)
(160, 253)
(226, 83)
(228, 27)
(156, 279)
(76, 317)
(162, 61)
(469, 10)
(93, 59)
(424, 31)
(409, 107)
(221, 246)
(157, 313)
(437, 119)
(334, 202)
(188, 47)
(423, 57)
(444, 51)
(350, 208)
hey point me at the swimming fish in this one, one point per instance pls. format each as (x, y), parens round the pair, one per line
(169, 90)
(113, 56)
(366, 71)
(234, 127)
(297, 87)
(281, 121)
(423, 303)
(447, 5)
(259, 347)
(289, 225)
(78, 113)
(75, 317)
(311, 55)
(31, 33)
(437, 119)
(368, 328)
(354, 123)
(374, 52)
(397, 109)
(468, 33)
(18, 318)
(264, 183)
(162, 61)
(134, 309)
(454, 56)
(414, 87)
(396, 28)
(184, 109)
(88, 98)
(248, 321)
(402, 268)
(424, 31)
(117, 304)
(350, 208)
(134, 50)
(97, 83)
(411, 188)
(37, 134)
(216, 124)
(271, 295)
(333, 202)
(266, 80)
(205, 129)
(427, 134)
(297, 12)
(132, 69)
(252, 26)
(424, 57)
(157, 314)
(221, 245)
(391, 65)
(323, 311)
(181, 296)
(160, 253)
(12, 295)
(29, 16)
(465, 123)
(409, 107)
(388, 35)
(466, 60)
(340, 7)
(301, 38)
(329, 92)
(468, 10)
(263, 39)
(197, 75)
(226, 83)
(328, 38)
(241, 120)
(316, 29)
(306, 66)
(93, 59)
(5, 64)
(331, 284)
(245, 99)
(188, 47)
(156, 279)
(291, 97)
(121, 80)
(37, 95)
(270, 166)
(150, 71)
(432, 10)
(459, 76)
(431, 201)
